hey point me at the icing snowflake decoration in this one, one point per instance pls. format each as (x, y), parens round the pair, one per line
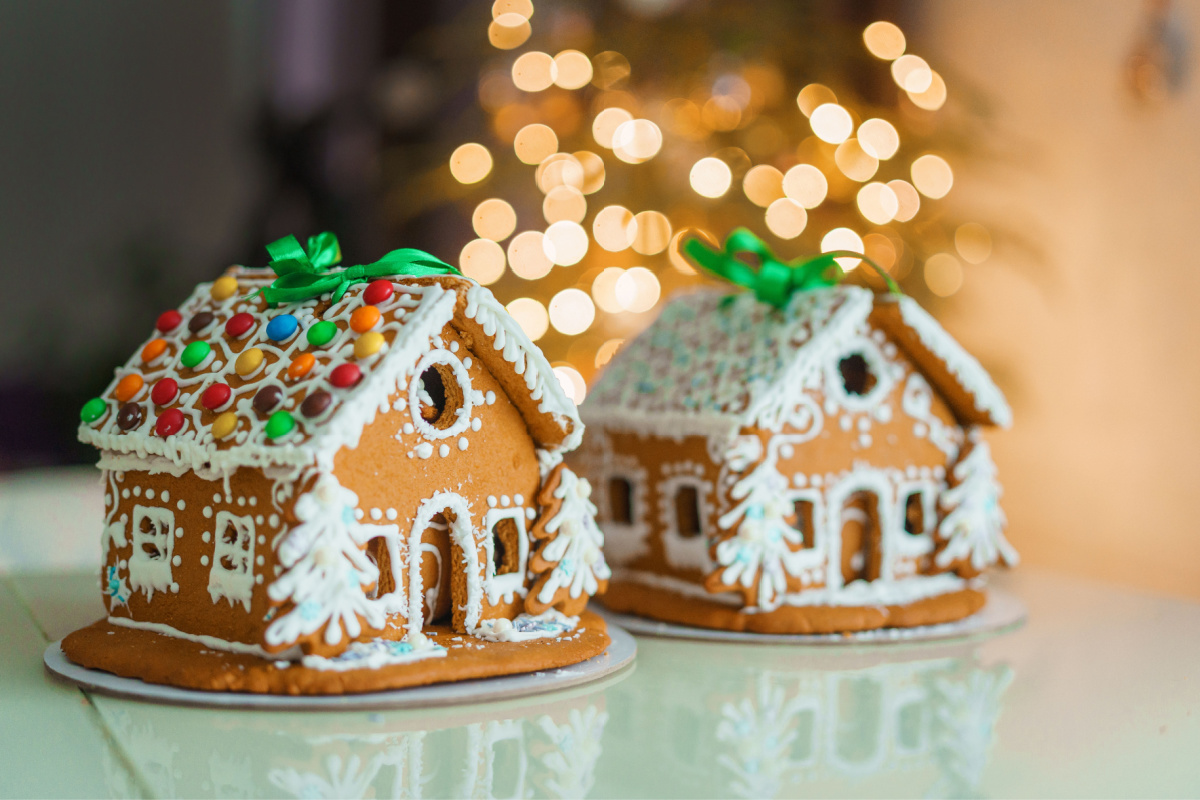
(577, 545)
(973, 528)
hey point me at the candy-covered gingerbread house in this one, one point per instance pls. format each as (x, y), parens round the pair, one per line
(816, 467)
(299, 480)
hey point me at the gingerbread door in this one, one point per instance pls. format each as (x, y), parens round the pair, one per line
(861, 555)
(435, 572)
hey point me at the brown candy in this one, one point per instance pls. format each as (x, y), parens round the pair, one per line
(267, 398)
(200, 321)
(130, 416)
(315, 404)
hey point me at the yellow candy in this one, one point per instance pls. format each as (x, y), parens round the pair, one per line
(368, 344)
(224, 288)
(224, 425)
(248, 361)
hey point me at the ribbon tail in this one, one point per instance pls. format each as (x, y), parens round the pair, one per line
(324, 250)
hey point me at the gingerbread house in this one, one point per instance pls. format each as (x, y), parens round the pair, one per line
(809, 468)
(323, 479)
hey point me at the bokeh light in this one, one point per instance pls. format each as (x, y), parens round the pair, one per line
(604, 290)
(509, 31)
(636, 140)
(571, 381)
(932, 176)
(710, 177)
(611, 69)
(638, 289)
(806, 184)
(884, 40)
(763, 185)
(534, 143)
(522, 8)
(494, 219)
(564, 203)
(943, 274)
(615, 228)
(593, 171)
(877, 203)
(565, 243)
(932, 98)
(530, 315)
(574, 69)
(907, 197)
(653, 233)
(534, 72)
(973, 242)
(813, 96)
(483, 260)
(880, 249)
(831, 123)
(527, 256)
(606, 124)
(572, 312)
(559, 169)
(912, 73)
(878, 138)
(470, 163)
(843, 239)
(854, 162)
(786, 218)
(607, 350)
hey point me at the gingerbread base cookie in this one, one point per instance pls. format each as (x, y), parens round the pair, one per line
(367, 667)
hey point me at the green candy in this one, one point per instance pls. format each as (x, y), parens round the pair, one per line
(93, 410)
(281, 423)
(322, 333)
(194, 353)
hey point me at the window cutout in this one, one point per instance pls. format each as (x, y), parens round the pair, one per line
(801, 519)
(914, 514)
(232, 573)
(153, 542)
(857, 377)
(620, 500)
(441, 397)
(687, 512)
(506, 552)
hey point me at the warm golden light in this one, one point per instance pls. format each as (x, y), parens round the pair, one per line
(522, 8)
(611, 69)
(606, 123)
(530, 315)
(786, 218)
(907, 197)
(653, 233)
(534, 72)
(881, 249)
(483, 260)
(912, 73)
(604, 290)
(711, 177)
(527, 256)
(831, 123)
(572, 312)
(932, 176)
(615, 228)
(494, 219)
(638, 289)
(593, 171)
(813, 96)
(878, 203)
(843, 239)
(571, 381)
(973, 242)
(854, 162)
(677, 259)
(763, 185)
(721, 113)
(574, 69)
(607, 351)
(878, 138)
(559, 169)
(565, 243)
(564, 203)
(470, 163)
(932, 98)
(806, 184)
(943, 274)
(884, 40)
(509, 31)
(636, 140)
(534, 143)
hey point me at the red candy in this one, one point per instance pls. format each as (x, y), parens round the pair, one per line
(168, 320)
(345, 376)
(169, 422)
(238, 324)
(215, 396)
(164, 391)
(377, 292)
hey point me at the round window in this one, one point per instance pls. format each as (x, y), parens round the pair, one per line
(440, 396)
(859, 377)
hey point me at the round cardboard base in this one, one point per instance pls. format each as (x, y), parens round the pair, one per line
(619, 654)
(1002, 612)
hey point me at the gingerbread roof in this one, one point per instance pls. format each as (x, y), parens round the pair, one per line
(712, 363)
(225, 381)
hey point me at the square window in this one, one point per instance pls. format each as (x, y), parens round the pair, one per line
(153, 544)
(620, 500)
(232, 573)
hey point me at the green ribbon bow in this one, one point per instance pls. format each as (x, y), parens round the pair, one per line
(775, 281)
(305, 273)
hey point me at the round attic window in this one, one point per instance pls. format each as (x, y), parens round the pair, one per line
(439, 396)
(859, 375)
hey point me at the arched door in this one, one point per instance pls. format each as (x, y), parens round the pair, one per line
(436, 560)
(861, 539)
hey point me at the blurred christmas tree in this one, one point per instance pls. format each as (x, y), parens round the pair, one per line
(605, 130)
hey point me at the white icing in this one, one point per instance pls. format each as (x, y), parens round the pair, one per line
(208, 641)
(577, 547)
(973, 526)
(153, 543)
(551, 623)
(375, 654)
(232, 576)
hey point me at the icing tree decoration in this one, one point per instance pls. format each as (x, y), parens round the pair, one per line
(972, 532)
(569, 560)
(758, 734)
(354, 780)
(574, 751)
(115, 588)
(964, 727)
(328, 571)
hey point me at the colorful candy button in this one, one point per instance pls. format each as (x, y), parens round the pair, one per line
(248, 362)
(300, 365)
(169, 422)
(130, 416)
(282, 327)
(168, 320)
(364, 319)
(164, 391)
(345, 376)
(267, 398)
(322, 333)
(200, 321)
(238, 325)
(93, 410)
(224, 288)
(216, 396)
(315, 404)
(153, 349)
(281, 423)
(368, 344)
(224, 425)
(128, 387)
(194, 354)
(377, 292)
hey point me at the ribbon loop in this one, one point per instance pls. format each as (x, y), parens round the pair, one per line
(775, 281)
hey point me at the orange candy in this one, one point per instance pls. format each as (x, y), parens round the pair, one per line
(128, 387)
(300, 365)
(153, 349)
(364, 319)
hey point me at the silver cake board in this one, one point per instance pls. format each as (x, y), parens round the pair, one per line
(618, 655)
(1002, 612)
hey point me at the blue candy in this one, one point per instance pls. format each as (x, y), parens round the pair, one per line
(282, 327)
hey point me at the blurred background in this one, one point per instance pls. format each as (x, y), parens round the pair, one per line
(1029, 171)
